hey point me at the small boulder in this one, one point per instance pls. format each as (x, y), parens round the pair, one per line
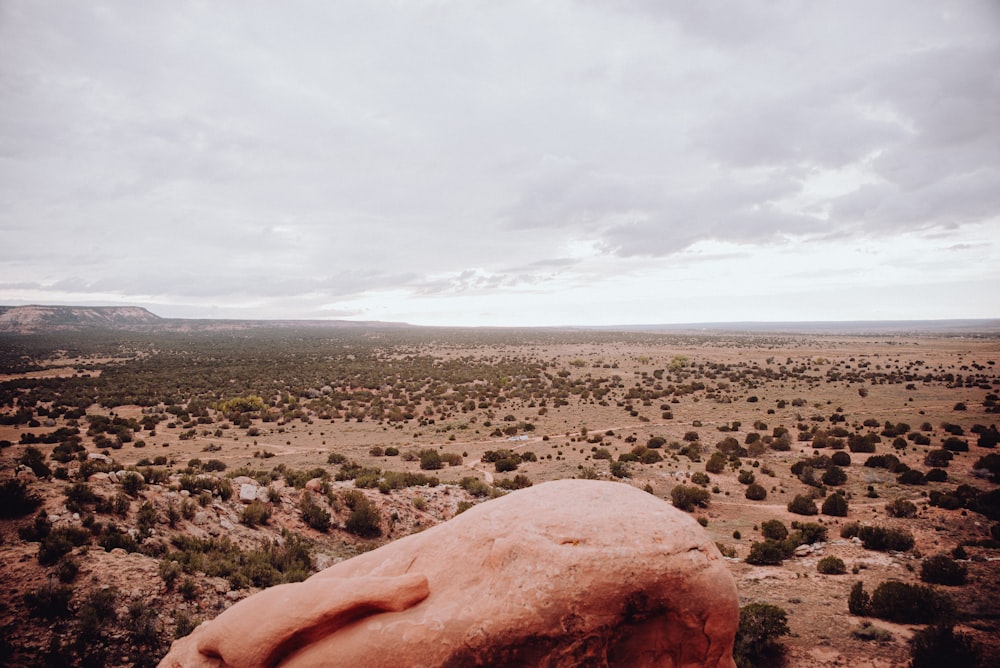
(248, 492)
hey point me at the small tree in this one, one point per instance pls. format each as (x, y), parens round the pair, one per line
(831, 566)
(755, 492)
(939, 645)
(766, 553)
(761, 624)
(802, 505)
(686, 498)
(313, 514)
(716, 463)
(858, 601)
(834, 476)
(364, 520)
(774, 529)
(835, 506)
(943, 570)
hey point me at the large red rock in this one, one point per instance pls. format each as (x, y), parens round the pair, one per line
(567, 573)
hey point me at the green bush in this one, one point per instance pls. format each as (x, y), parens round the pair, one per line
(911, 477)
(939, 645)
(755, 492)
(835, 505)
(254, 513)
(901, 508)
(364, 520)
(834, 476)
(686, 497)
(315, 516)
(48, 602)
(773, 529)
(943, 570)
(716, 463)
(474, 486)
(767, 553)
(16, 500)
(868, 631)
(902, 603)
(620, 470)
(756, 646)
(33, 458)
(831, 566)
(883, 539)
(858, 601)
(807, 533)
(802, 505)
(59, 542)
(700, 478)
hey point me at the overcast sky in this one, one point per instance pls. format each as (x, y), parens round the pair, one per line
(503, 163)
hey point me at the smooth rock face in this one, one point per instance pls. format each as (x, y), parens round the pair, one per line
(567, 573)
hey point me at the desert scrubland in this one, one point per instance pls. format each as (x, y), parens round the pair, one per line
(150, 480)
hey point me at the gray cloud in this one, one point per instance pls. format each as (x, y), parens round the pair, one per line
(206, 153)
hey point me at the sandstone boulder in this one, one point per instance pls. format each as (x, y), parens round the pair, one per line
(248, 492)
(566, 573)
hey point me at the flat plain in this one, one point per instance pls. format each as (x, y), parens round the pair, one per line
(384, 432)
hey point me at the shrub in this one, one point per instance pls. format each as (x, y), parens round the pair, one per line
(802, 505)
(840, 459)
(767, 553)
(991, 464)
(686, 497)
(883, 539)
(911, 477)
(807, 533)
(755, 492)
(939, 645)
(33, 458)
(620, 470)
(48, 602)
(506, 464)
(746, 477)
(16, 500)
(430, 459)
(938, 458)
(858, 601)
(831, 566)
(474, 486)
(364, 519)
(700, 478)
(256, 512)
(869, 631)
(756, 638)
(314, 515)
(716, 463)
(943, 570)
(517, 482)
(905, 603)
(834, 476)
(774, 529)
(901, 508)
(59, 542)
(937, 475)
(835, 506)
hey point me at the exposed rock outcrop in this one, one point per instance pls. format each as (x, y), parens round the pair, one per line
(566, 573)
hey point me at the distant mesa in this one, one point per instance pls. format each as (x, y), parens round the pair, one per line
(36, 318)
(566, 573)
(27, 319)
